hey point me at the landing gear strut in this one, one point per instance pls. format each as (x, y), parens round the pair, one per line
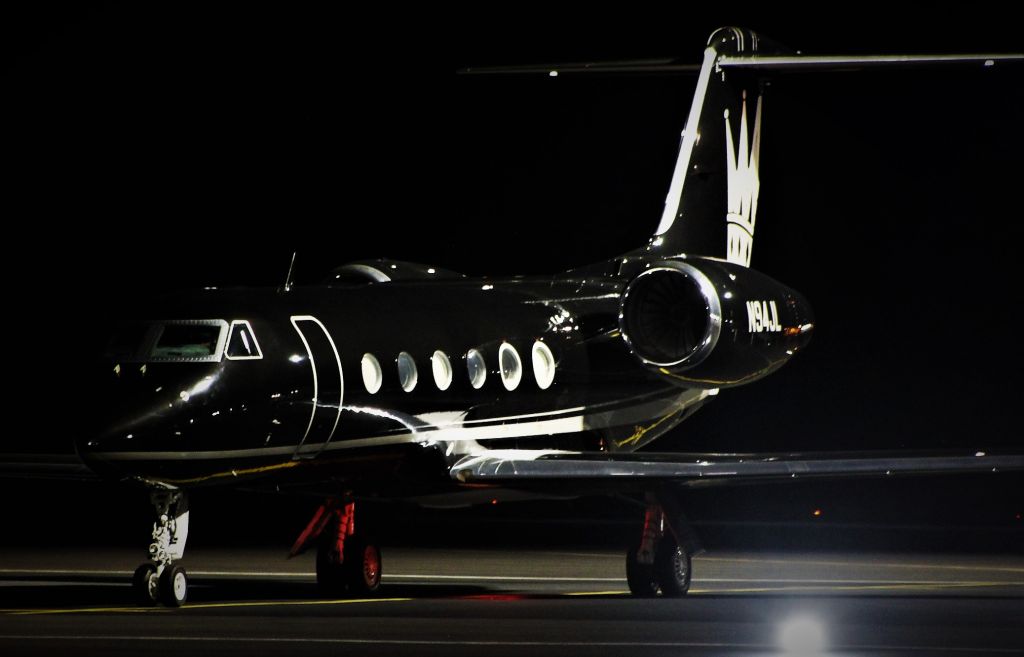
(160, 579)
(346, 561)
(662, 558)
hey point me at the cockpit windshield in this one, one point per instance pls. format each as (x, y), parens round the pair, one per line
(195, 340)
(187, 342)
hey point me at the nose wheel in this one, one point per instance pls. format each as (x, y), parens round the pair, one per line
(161, 580)
(146, 584)
(173, 586)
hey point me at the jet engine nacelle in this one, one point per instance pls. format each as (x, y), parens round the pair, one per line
(710, 323)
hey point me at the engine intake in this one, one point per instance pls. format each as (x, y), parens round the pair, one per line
(671, 315)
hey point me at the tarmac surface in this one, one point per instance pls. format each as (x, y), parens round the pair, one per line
(466, 602)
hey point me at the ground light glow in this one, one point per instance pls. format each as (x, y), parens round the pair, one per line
(802, 636)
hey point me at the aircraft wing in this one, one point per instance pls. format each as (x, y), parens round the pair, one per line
(698, 470)
(45, 466)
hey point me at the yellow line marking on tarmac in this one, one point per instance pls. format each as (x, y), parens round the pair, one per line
(693, 591)
(865, 563)
(784, 588)
(291, 603)
(589, 555)
(199, 605)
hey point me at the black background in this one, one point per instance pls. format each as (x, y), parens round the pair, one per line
(160, 147)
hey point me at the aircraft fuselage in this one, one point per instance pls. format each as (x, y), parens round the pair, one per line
(351, 382)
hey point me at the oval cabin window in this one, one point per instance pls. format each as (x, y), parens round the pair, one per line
(476, 367)
(373, 376)
(407, 374)
(543, 365)
(442, 368)
(511, 366)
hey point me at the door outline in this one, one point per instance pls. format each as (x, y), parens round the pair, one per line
(299, 453)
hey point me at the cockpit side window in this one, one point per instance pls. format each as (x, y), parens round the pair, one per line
(127, 341)
(191, 341)
(242, 344)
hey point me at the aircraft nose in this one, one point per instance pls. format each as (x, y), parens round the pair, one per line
(147, 406)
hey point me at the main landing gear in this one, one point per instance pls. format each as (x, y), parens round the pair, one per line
(347, 561)
(661, 561)
(160, 580)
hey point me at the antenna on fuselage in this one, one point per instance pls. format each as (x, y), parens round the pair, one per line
(288, 278)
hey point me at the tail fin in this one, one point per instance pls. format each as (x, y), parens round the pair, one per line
(711, 208)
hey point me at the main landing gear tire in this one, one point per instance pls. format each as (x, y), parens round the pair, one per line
(359, 573)
(672, 568)
(146, 585)
(173, 586)
(363, 566)
(640, 576)
(670, 571)
(330, 575)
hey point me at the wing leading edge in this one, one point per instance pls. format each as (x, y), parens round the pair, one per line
(522, 468)
(67, 467)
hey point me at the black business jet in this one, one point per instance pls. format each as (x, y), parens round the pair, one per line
(504, 389)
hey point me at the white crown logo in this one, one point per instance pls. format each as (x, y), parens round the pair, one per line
(743, 186)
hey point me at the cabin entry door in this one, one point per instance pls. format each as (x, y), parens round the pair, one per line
(328, 385)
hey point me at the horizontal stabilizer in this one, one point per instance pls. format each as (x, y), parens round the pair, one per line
(625, 66)
(793, 63)
(857, 62)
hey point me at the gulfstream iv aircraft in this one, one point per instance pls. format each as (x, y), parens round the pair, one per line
(505, 388)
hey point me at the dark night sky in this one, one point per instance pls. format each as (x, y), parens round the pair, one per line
(156, 148)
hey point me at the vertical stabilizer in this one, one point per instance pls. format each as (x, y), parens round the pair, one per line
(711, 207)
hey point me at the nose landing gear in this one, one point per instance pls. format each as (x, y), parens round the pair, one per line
(160, 580)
